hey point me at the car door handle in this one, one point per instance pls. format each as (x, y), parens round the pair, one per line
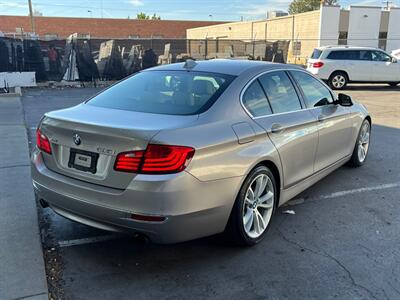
(277, 128)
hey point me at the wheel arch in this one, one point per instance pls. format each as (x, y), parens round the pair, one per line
(368, 117)
(340, 71)
(277, 175)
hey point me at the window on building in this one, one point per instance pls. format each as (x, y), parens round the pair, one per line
(382, 40)
(280, 92)
(342, 38)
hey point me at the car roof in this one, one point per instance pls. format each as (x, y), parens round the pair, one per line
(347, 48)
(223, 66)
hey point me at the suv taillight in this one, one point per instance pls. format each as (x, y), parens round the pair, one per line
(42, 142)
(156, 159)
(318, 64)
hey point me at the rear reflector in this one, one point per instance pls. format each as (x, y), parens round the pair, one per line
(156, 159)
(318, 64)
(42, 142)
(148, 218)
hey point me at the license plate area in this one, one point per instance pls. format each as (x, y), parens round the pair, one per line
(83, 160)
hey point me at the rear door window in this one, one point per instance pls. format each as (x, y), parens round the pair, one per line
(255, 101)
(315, 93)
(344, 55)
(365, 55)
(165, 92)
(280, 92)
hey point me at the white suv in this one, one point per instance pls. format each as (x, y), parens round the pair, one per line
(339, 65)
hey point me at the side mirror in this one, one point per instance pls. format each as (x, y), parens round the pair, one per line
(394, 60)
(344, 100)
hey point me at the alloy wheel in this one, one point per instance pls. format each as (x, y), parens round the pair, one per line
(258, 206)
(363, 142)
(338, 81)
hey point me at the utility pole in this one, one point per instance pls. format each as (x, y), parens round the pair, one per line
(31, 16)
(387, 2)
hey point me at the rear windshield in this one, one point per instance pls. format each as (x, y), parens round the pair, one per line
(165, 92)
(316, 54)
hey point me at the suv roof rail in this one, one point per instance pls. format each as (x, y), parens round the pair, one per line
(338, 46)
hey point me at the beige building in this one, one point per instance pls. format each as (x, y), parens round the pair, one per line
(330, 25)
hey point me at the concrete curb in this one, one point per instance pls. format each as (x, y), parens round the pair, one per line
(22, 271)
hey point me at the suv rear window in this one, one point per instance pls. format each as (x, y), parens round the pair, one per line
(316, 54)
(344, 55)
(165, 92)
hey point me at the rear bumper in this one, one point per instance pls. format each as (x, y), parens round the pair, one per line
(192, 208)
(319, 72)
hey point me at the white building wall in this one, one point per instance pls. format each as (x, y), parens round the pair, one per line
(393, 36)
(329, 25)
(364, 23)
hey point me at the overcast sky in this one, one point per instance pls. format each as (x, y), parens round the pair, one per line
(167, 9)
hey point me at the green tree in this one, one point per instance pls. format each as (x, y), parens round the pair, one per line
(143, 16)
(299, 6)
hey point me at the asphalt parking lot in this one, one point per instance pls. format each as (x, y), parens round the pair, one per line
(342, 242)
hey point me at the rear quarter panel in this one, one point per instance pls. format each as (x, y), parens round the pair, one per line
(218, 153)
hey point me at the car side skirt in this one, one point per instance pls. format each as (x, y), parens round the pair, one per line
(289, 193)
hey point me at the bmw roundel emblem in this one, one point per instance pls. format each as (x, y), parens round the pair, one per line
(77, 139)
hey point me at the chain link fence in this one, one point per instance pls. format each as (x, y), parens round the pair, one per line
(77, 59)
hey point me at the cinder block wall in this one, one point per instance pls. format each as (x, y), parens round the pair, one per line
(303, 28)
(237, 30)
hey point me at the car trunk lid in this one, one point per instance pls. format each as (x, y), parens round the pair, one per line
(85, 136)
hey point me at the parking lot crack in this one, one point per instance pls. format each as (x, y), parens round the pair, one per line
(32, 296)
(14, 166)
(332, 258)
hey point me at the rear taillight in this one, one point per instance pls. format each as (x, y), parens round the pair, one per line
(318, 64)
(156, 159)
(42, 142)
(129, 161)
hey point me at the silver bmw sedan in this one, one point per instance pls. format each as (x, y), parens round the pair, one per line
(187, 150)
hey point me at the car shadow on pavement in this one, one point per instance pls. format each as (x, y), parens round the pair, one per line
(370, 87)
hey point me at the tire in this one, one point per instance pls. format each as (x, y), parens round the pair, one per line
(393, 83)
(237, 229)
(363, 140)
(338, 80)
